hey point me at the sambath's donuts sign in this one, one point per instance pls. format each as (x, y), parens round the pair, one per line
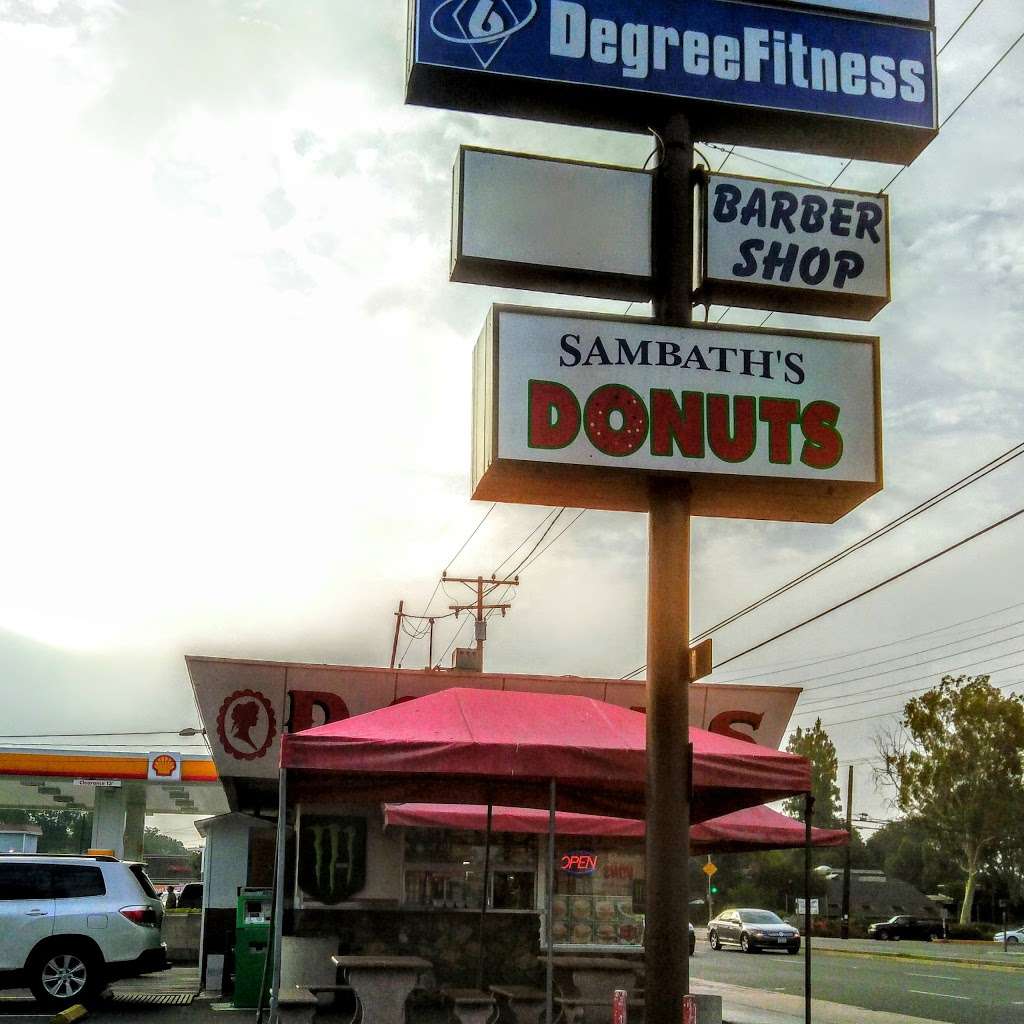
(763, 424)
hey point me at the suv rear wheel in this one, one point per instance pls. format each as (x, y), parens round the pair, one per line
(64, 975)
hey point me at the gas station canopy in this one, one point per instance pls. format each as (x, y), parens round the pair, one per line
(163, 782)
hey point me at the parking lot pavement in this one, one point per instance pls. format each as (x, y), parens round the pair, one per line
(164, 998)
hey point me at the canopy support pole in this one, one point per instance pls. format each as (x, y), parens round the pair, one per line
(483, 898)
(549, 984)
(279, 876)
(668, 621)
(808, 814)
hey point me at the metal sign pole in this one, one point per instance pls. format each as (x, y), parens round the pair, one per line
(668, 620)
(279, 887)
(808, 814)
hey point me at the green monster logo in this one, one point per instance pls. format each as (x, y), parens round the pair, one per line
(332, 857)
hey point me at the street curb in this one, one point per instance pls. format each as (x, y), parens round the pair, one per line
(916, 958)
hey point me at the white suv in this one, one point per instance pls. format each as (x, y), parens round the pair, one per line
(70, 924)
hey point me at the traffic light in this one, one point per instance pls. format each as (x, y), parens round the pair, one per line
(714, 889)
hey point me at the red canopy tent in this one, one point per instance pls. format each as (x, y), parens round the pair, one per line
(518, 749)
(505, 747)
(752, 828)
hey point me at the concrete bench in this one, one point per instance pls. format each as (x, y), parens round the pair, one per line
(470, 1005)
(327, 996)
(519, 1004)
(297, 1005)
(576, 1009)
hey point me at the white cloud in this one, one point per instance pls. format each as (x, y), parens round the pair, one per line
(236, 380)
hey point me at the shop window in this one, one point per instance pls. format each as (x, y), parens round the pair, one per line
(445, 869)
(594, 901)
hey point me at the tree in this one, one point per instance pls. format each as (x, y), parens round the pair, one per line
(956, 766)
(155, 843)
(815, 745)
(63, 831)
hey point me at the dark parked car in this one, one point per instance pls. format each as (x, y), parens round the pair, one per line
(752, 930)
(191, 896)
(903, 926)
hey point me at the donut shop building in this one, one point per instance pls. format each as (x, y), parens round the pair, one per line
(383, 878)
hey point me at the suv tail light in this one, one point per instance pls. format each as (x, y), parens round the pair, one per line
(144, 916)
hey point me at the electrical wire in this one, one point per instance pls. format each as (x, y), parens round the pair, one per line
(902, 682)
(508, 558)
(471, 536)
(437, 586)
(942, 124)
(901, 520)
(956, 31)
(563, 530)
(878, 586)
(794, 666)
(455, 636)
(764, 163)
(889, 714)
(78, 735)
(850, 162)
(900, 657)
(540, 540)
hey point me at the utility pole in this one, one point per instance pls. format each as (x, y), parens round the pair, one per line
(479, 606)
(398, 627)
(844, 927)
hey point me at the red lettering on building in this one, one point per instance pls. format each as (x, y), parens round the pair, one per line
(331, 706)
(724, 721)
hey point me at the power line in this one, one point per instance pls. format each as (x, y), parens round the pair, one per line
(878, 586)
(540, 540)
(455, 636)
(764, 163)
(471, 536)
(900, 657)
(850, 162)
(942, 124)
(956, 31)
(901, 520)
(905, 517)
(508, 558)
(902, 682)
(794, 666)
(437, 585)
(77, 735)
(565, 529)
(889, 714)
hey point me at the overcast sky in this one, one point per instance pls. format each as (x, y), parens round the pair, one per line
(236, 401)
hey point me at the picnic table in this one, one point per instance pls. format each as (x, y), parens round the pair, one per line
(585, 984)
(382, 983)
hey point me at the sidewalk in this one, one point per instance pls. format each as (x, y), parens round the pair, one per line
(756, 1006)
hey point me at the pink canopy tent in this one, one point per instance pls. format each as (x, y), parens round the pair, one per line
(505, 747)
(752, 828)
(518, 749)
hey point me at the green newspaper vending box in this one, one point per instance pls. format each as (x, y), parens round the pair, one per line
(252, 943)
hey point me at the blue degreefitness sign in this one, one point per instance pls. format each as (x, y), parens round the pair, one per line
(734, 56)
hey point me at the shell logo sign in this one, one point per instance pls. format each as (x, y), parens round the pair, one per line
(164, 766)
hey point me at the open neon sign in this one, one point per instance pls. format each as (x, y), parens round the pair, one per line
(579, 862)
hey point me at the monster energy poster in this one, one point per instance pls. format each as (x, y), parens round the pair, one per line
(332, 857)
